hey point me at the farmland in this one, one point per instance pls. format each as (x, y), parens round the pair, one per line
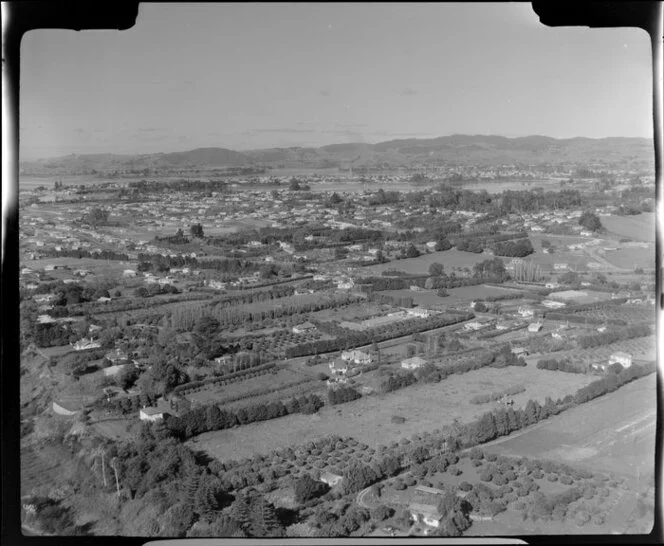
(630, 258)
(640, 227)
(615, 433)
(425, 407)
(457, 296)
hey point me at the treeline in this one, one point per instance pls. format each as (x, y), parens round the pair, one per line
(211, 418)
(81, 253)
(127, 404)
(350, 339)
(233, 267)
(493, 396)
(496, 333)
(613, 336)
(380, 284)
(518, 249)
(470, 245)
(571, 309)
(182, 185)
(184, 318)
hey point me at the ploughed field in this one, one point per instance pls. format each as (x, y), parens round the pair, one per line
(614, 433)
(425, 407)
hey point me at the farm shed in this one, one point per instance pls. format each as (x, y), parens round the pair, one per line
(413, 363)
(534, 327)
(304, 327)
(150, 414)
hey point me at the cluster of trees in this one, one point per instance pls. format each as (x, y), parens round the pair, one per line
(127, 404)
(342, 394)
(590, 221)
(182, 185)
(177, 239)
(470, 245)
(350, 339)
(564, 365)
(519, 249)
(493, 396)
(605, 338)
(306, 488)
(51, 516)
(209, 418)
(155, 290)
(51, 335)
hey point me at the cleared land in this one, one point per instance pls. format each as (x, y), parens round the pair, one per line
(425, 407)
(457, 296)
(420, 266)
(640, 227)
(632, 257)
(615, 433)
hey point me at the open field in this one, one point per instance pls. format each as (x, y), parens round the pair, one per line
(420, 266)
(497, 186)
(640, 227)
(632, 257)
(631, 314)
(425, 407)
(615, 433)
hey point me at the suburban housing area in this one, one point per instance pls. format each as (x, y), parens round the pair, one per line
(239, 352)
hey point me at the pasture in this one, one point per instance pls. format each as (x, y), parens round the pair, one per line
(450, 259)
(426, 408)
(614, 433)
(640, 227)
(461, 296)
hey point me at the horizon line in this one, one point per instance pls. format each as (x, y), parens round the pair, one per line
(38, 158)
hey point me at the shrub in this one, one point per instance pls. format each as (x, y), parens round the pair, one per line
(499, 479)
(454, 470)
(538, 474)
(398, 420)
(552, 477)
(399, 485)
(476, 453)
(486, 476)
(566, 480)
(491, 457)
(465, 486)
(581, 517)
(476, 463)
(598, 519)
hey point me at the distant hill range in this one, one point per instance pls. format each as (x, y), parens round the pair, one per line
(412, 152)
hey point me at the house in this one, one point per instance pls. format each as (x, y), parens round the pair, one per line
(304, 327)
(534, 327)
(338, 367)
(85, 343)
(335, 382)
(560, 266)
(551, 285)
(151, 414)
(347, 284)
(104, 299)
(425, 513)
(413, 363)
(477, 324)
(330, 479)
(356, 356)
(129, 273)
(619, 357)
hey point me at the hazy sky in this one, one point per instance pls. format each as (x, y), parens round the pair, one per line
(257, 75)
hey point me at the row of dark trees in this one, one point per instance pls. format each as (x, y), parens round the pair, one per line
(342, 394)
(210, 418)
(81, 253)
(563, 365)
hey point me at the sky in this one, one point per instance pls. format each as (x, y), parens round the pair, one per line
(252, 75)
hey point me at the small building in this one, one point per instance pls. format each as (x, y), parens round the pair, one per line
(413, 363)
(419, 312)
(477, 324)
(104, 299)
(425, 513)
(520, 351)
(150, 414)
(553, 304)
(330, 478)
(85, 343)
(526, 312)
(304, 327)
(534, 327)
(619, 357)
(129, 273)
